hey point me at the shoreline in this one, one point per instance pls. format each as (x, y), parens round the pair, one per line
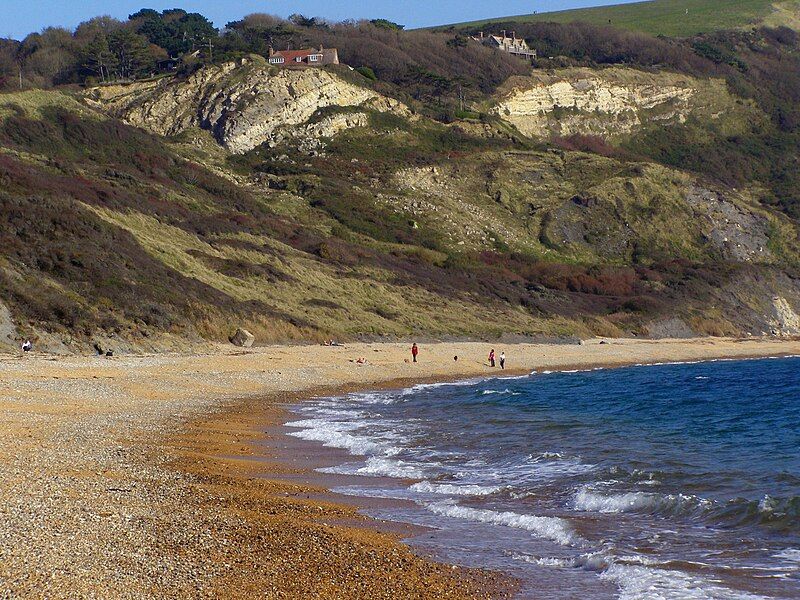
(137, 473)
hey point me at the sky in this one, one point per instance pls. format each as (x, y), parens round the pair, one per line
(23, 17)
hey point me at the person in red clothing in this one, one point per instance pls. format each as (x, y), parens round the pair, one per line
(414, 352)
(491, 358)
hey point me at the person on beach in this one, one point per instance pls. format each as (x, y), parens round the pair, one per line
(491, 358)
(502, 360)
(414, 352)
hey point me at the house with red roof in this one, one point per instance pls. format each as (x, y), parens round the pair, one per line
(308, 57)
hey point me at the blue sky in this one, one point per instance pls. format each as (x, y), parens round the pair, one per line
(23, 17)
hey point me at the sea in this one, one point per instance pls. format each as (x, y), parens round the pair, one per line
(669, 481)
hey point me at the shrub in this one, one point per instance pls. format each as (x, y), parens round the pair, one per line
(368, 73)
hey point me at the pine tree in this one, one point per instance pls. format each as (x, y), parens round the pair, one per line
(132, 53)
(98, 57)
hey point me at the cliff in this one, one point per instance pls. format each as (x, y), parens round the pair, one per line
(243, 104)
(608, 102)
(118, 237)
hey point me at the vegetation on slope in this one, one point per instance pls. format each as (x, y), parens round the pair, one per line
(448, 223)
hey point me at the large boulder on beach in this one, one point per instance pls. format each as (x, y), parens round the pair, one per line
(243, 338)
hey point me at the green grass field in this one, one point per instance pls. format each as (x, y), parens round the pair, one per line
(674, 18)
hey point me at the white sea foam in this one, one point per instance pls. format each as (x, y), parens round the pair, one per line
(451, 489)
(638, 578)
(791, 556)
(549, 455)
(333, 434)
(373, 397)
(323, 423)
(549, 528)
(505, 391)
(587, 500)
(647, 583)
(545, 561)
(378, 466)
(513, 377)
(368, 492)
(427, 386)
(552, 465)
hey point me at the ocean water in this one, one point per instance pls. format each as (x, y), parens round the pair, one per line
(677, 481)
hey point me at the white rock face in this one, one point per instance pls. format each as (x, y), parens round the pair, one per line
(7, 329)
(599, 102)
(309, 134)
(785, 320)
(243, 104)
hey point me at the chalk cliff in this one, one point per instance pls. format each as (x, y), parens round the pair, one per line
(242, 103)
(606, 102)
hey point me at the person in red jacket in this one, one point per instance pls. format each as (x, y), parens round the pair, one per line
(491, 358)
(414, 352)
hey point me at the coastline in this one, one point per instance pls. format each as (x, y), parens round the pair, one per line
(138, 474)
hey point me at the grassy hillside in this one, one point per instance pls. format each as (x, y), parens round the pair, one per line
(403, 228)
(674, 18)
(448, 220)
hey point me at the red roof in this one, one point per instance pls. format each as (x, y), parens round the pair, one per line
(290, 55)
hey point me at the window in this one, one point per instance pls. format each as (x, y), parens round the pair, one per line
(314, 57)
(276, 60)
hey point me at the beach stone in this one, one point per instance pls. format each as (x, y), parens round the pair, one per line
(243, 338)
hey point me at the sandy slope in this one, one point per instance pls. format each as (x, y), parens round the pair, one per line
(111, 487)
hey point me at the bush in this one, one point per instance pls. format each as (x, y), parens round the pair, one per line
(368, 73)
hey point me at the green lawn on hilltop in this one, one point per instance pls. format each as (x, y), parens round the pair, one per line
(666, 17)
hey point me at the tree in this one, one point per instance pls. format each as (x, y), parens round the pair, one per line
(386, 24)
(99, 58)
(175, 30)
(303, 21)
(459, 41)
(49, 57)
(131, 52)
(9, 67)
(152, 26)
(187, 33)
(86, 31)
(144, 14)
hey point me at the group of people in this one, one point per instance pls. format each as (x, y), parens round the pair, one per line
(502, 359)
(492, 358)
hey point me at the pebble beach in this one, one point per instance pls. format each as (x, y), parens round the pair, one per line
(142, 476)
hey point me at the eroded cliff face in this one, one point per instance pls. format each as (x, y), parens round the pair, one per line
(606, 102)
(243, 103)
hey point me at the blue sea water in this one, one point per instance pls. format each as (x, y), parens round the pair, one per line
(675, 481)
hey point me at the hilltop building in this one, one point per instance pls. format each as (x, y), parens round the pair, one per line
(512, 45)
(310, 57)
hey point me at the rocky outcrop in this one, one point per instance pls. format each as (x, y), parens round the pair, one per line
(740, 234)
(242, 338)
(244, 104)
(309, 137)
(784, 321)
(604, 102)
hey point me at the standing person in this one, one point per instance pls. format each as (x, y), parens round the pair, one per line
(414, 352)
(491, 358)
(502, 360)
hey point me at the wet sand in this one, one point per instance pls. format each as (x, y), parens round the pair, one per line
(145, 477)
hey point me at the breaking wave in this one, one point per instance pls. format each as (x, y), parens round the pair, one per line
(549, 528)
